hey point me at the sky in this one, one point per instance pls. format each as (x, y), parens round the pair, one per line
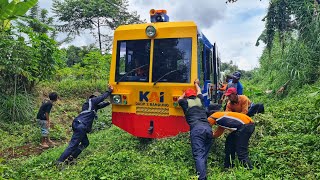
(235, 27)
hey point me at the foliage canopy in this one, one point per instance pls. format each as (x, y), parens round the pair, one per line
(80, 15)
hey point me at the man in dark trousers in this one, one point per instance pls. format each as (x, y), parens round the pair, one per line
(201, 136)
(237, 141)
(82, 125)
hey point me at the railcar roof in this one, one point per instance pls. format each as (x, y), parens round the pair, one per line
(182, 24)
(158, 24)
(204, 39)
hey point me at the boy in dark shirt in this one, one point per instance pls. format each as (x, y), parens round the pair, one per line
(200, 129)
(44, 120)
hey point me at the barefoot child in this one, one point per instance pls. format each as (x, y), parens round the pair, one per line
(44, 120)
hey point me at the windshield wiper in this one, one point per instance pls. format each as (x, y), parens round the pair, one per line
(166, 74)
(125, 75)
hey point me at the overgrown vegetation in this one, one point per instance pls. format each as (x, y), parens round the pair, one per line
(292, 38)
(285, 144)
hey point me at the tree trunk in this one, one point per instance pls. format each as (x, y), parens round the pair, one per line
(99, 36)
(14, 98)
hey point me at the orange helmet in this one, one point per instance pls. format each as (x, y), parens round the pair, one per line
(190, 92)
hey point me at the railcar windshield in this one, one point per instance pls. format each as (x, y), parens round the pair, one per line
(172, 60)
(133, 61)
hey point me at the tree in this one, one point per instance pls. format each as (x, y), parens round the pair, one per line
(40, 18)
(79, 15)
(229, 67)
(96, 66)
(76, 54)
(27, 55)
(292, 38)
(25, 59)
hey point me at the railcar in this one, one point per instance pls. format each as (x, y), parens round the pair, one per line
(152, 64)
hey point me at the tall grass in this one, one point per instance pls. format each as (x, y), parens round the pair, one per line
(297, 64)
(17, 121)
(18, 107)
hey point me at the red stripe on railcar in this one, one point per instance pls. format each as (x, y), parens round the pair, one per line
(138, 125)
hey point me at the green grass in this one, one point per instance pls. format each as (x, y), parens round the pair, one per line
(285, 145)
(114, 154)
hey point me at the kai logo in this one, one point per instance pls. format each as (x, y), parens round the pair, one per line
(151, 96)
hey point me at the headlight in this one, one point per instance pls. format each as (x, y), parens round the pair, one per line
(151, 31)
(116, 99)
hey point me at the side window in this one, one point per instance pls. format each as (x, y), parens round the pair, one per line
(122, 59)
(211, 65)
(208, 64)
(215, 65)
(200, 62)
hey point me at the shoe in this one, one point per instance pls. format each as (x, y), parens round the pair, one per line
(70, 161)
(73, 162)
(59, 165)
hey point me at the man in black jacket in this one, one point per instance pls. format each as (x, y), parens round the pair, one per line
(82, 125)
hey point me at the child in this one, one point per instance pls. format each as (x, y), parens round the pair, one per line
(44, 120)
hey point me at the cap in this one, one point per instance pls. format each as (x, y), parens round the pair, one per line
(190, 92)
(95, 94)
(231, 91)
(236, 75)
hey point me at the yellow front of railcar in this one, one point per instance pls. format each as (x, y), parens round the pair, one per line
(152, 64)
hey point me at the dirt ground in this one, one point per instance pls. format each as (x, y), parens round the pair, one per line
(26, 150)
